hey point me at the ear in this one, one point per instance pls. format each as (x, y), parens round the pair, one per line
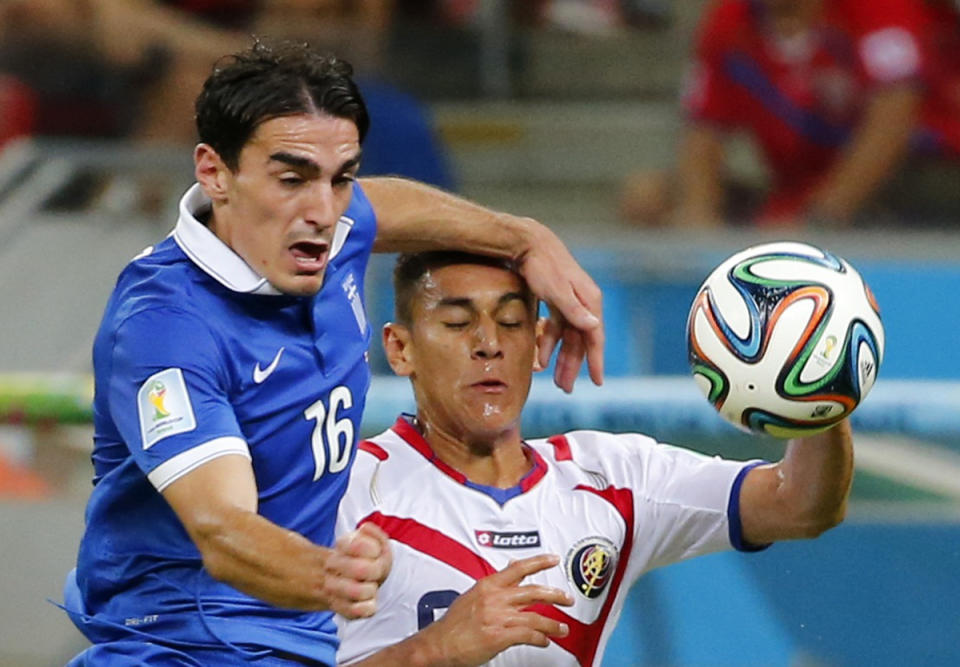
(211, 172)
(541, 327)
(398, 348)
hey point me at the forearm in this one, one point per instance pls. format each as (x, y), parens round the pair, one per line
(816, 474)
(258, 557)
(804, 494)
(877, 146)
(413, 217)
(414, 651)
(699, 168)
(125, 26)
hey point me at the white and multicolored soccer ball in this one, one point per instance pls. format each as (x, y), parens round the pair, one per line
(785, 339)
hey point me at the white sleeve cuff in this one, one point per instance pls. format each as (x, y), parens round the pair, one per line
(173, 469)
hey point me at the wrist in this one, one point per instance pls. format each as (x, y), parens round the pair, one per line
(526, 234)
(420, 650)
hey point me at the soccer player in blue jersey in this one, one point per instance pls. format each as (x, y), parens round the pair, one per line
(231, 374)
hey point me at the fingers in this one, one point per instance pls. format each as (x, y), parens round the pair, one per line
(533, 629)
(576, 345)
(516, 571)
(354, 569)
(569, 359)
(549, 337)
(368, 541)
(596, 340)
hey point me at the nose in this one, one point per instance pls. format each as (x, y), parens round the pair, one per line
(320, 208)
(486, 342)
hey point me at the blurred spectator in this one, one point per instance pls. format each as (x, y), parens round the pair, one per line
(132, 68)
(600, 17)
(402, 140)
(837, 94)
(114, 67)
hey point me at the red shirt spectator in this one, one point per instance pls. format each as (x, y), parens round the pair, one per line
(802, 97)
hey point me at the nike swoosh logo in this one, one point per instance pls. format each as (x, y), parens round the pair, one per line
(261, 374)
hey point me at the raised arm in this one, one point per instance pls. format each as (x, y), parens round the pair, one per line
(490, 617)
(217, 504)
(413, 217)
(699, 167)
(804, 494)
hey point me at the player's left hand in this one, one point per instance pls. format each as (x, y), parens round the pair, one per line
(576, 308)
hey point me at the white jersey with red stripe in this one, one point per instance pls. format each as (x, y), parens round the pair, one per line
(612, 506)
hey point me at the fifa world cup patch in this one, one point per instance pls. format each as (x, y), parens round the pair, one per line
(590, 565)
(164, 407)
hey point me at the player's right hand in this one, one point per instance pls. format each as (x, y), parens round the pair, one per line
(354, 570)
(493, 616)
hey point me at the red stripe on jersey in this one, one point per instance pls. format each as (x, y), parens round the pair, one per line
(432, 543)
(373, 448)
(414, 438)
(561, 448)
(584, 640)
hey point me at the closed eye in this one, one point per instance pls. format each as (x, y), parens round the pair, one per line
(291, 181)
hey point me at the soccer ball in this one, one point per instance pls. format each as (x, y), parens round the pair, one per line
(785, 339)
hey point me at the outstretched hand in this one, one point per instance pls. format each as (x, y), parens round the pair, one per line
(492, 616)
(354, 570)
(576, 308)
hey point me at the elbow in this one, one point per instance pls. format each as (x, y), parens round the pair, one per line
(212, 540)
(216, 566)
(815, 524)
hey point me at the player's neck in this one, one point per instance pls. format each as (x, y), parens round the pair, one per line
(497, 460)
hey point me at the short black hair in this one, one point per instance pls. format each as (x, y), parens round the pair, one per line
(411, 267)
(269, 80)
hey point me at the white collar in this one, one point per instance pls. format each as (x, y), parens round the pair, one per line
(211, 254)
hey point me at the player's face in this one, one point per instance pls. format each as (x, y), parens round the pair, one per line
(473, 347)
(281, 205)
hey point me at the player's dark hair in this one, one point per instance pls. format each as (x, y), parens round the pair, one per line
(268, 81)
(412, 267)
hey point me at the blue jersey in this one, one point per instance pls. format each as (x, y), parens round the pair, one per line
(197, 357)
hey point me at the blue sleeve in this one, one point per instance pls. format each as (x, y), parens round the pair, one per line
(168, 390)
(733, 512)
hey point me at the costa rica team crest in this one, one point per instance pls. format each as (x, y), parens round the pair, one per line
(590, 564)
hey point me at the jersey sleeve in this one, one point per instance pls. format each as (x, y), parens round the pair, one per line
(889, 38)
(707, 93)
(685, 503)
(168, 395)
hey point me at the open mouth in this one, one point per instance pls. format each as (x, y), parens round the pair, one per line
(310, 256)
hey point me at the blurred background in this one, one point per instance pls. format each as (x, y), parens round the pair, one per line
(656, 138)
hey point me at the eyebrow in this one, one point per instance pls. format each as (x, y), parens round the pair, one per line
(306, 164)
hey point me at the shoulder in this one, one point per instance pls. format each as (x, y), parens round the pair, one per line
(360, 209)
(160, 306)
(159, 274)
(386, 455)
(725, 23)
(889, 36)
(598, 451)
(864, 16)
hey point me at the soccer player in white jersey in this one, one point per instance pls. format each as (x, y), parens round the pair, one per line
(231, 373)
(581, 516)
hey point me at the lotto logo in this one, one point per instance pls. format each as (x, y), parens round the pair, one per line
(490, 538)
